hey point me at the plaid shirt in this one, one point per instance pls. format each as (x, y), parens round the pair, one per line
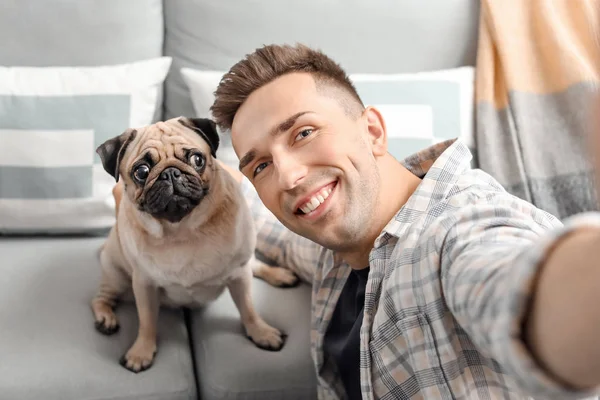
(451, 276)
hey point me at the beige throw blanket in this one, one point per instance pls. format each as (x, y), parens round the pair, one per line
(538, 70)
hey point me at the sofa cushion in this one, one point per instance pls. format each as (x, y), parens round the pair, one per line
(52, 119)
(423, 108)
(230, 366)
(49, 348)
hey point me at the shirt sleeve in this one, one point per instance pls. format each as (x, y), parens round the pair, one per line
(277, 244)
(490, 258)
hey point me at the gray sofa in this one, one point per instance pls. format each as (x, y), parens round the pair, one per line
(49, 348)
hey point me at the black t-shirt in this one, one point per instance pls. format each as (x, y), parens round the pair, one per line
(342, 339)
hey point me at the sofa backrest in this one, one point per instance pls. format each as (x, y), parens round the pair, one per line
(374, 36)
(368, 36)
(80, 32)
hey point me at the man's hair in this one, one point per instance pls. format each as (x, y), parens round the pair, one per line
(269, 62)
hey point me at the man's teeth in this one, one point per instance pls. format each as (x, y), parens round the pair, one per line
(316, 201)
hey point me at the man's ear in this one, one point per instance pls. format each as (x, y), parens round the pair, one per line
(111, 152)
(377, 131)
(206, 128)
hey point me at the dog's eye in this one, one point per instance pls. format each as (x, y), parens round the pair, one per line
(197, 160)
(141, 173)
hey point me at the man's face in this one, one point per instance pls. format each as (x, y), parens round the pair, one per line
(310, 161)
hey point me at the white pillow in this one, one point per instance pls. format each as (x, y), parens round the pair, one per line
(419, 109)
(202, 85)
(52, 119)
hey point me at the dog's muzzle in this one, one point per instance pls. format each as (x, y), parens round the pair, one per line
(174, 195)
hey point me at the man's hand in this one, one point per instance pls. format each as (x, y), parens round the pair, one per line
(563, 327)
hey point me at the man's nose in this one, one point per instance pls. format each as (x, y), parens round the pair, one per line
(290, 171)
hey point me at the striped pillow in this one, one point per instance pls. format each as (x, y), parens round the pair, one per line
(419, 109)
(422, 109)
(51, 121)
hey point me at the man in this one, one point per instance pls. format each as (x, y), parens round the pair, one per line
(431, 281)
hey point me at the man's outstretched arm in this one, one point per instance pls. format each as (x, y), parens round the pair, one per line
(512, 280)
(531, 297)
(562, 327)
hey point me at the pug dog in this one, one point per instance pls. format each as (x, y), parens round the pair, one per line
(183, 234)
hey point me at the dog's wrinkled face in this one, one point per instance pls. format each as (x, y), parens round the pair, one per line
(167, 166)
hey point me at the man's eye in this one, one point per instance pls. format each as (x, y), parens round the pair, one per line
(260, 167)
(304, 133)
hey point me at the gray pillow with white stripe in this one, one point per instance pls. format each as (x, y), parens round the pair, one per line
(51, 121)
(423, 108)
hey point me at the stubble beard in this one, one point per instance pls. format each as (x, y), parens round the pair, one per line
(355, 224)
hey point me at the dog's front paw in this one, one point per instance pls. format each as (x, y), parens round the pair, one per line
(265, 336)
(140, 356)
(105, 319)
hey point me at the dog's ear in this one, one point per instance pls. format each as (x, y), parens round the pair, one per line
(111, 152)
(206, 128)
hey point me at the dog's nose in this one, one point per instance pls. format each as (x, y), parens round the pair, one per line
(170, 173)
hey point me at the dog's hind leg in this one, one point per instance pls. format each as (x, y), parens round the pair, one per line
(114, 282)
(275, 276)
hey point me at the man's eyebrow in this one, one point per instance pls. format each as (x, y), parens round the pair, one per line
(288, 123)
(280, 128)
(247, 159)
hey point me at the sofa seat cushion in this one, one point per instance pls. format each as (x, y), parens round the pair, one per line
(230, 366)
(49, 348)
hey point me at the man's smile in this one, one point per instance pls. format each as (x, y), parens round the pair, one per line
(313, 205)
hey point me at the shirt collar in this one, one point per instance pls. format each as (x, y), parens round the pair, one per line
(438, 166)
